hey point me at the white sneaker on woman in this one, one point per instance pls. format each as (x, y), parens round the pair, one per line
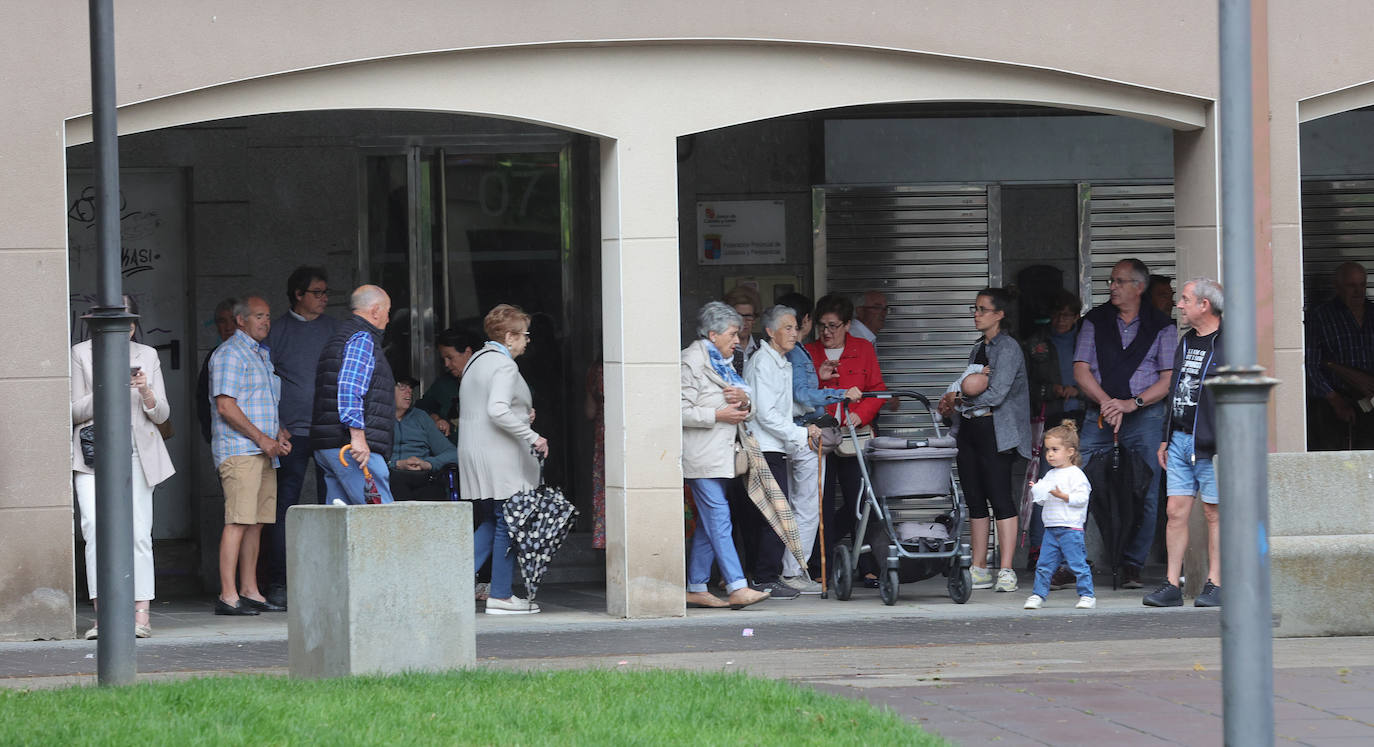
(1006, 580)
(513, 606)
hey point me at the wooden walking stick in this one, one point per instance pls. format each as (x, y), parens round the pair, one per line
(820, 504)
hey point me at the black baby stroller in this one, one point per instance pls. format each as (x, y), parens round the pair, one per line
(907, 487)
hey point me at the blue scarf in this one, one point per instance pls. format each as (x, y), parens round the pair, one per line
(724, 367)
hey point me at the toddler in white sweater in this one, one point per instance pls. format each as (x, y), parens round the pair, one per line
(1063, 492)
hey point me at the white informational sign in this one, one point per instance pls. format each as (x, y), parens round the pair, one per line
(741, 232)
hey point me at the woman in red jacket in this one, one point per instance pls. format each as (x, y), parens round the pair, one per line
(844, 361)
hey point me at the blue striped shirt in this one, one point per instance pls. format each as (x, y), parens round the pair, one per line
(355, 376)
(242, 369)
(1334, 337)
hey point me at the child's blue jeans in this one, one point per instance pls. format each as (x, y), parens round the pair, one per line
(1066, 545)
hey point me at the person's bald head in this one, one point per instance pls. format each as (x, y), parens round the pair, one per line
(371, 303)
(1349, 281)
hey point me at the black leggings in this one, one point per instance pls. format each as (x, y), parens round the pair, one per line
(985, 472)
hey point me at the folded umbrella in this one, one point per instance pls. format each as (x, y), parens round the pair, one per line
(370, 492)
(765, 493)
(539, 521)
(1120, 479)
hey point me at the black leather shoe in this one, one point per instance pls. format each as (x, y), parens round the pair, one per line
(257, 606)
(276, 594)
(240, 609)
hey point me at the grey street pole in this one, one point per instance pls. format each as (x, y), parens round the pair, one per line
(1242, 391)
(109, 323)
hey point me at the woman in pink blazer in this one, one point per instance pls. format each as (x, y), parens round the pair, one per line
(151, 463)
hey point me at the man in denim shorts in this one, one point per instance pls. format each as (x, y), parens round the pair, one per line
(1190, 442)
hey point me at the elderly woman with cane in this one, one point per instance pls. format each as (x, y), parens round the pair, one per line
(715, 400)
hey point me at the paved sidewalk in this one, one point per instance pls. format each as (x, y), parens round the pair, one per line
(985, 672)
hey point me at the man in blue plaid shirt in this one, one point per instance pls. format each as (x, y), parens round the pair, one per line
(246, 441)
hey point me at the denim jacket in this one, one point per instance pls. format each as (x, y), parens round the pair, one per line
(808, 397)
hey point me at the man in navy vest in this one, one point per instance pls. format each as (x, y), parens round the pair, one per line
(1189, 441)
(1122, 365)
(355, 402)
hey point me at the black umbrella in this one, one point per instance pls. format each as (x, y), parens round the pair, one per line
(1120, 481)
(539, 520)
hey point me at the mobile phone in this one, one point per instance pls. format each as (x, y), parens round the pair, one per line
(133, 370)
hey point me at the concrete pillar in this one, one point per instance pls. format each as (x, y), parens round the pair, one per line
(380, 589)
(645, 569)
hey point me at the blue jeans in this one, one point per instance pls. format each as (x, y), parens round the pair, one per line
(290, 482)
(712, 542)
(345, 481)
(1141, 433)
(1062, 544)
(492, 540)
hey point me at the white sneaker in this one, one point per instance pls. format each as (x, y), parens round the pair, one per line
(1086, 603)
(982, 578)
(513, 606)
(802, 584)
(1034, 602)
(1006, 580)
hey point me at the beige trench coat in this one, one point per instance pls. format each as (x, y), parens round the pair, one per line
(152, 452)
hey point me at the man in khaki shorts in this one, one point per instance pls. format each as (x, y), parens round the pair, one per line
(247, 439)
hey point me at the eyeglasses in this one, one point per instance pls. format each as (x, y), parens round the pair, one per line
(526, 334)
(980, 310)
(321, 293)
(748, 316)
(1121, 281)
(831, 327)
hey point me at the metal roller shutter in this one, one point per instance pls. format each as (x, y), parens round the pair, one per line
(1119, 221)
(1337, 226)
(930, 248)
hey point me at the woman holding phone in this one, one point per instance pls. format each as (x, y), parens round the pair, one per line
(151, 463)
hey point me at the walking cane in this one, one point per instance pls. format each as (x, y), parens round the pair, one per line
(820, 504)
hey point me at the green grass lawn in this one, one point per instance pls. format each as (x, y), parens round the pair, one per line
(473, 707)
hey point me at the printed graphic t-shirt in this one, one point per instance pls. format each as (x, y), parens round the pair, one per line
(1192, 368)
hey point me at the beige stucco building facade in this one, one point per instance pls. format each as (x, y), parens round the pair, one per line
(629, 81)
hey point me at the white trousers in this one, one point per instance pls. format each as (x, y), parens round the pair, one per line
(143, 529)
(805, 495)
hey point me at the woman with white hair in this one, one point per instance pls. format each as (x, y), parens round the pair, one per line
(769, 375)
(715, 400)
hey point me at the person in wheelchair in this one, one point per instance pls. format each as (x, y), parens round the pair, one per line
(421, 453)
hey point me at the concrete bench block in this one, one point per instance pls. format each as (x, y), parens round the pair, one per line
(380, 589)
(1325, 492)
(1317, 587)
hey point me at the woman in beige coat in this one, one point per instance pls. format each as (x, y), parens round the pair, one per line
(714, 401)
(151, 462)
(497, 446)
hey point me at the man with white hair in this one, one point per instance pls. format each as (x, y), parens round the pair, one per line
(355, 402)
(1190, 442)
(870, 316)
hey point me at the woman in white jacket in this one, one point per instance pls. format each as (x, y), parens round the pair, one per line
(769, 375)
(714, 401)
(151, 463)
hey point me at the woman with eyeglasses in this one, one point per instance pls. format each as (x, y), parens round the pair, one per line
(842, 361)
(497, 446)
(991, 428)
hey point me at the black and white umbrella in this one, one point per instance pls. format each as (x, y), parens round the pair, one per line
(539, 520)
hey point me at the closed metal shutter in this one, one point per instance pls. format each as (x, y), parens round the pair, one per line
(1337, 226)
(930, 248)
(1120, 221)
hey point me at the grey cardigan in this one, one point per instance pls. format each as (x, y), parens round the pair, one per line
(1008, 394)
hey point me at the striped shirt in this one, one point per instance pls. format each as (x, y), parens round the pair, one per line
(355, 376)
(1334, 337)
(242, 369)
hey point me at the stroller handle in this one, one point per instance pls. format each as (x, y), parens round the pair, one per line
(898, 394)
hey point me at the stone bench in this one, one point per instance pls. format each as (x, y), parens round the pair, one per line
(380, 589)
(1321, 517)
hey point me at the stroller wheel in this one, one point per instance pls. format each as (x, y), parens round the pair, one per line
(844, 573)
(888, 583)
(961, 585)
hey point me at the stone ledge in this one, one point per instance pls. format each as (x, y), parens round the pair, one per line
(1316, 587)
(1321, 493)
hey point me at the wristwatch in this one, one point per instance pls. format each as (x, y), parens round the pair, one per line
(1139, 402)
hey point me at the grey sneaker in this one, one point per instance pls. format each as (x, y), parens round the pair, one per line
(1006, 580)
(982, 577)
(777, 590)
(802, 584)
(1167, 595)
(1210, 596)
